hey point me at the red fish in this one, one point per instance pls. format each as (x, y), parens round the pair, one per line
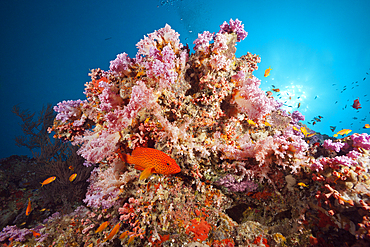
(29, 208)
(356, 104)
(268, 93)
(35, 234)
(150, 160)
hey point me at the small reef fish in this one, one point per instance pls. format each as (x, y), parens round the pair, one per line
(267, 72)
(123, 235)
(102, 226)
(130, 239)
(332, 128)
(251, 122)
(150, 160)
(267, 124)
(304, 131)
(303, 185)
(299, 105)
(356, 104)
(48, 180)
(311, 135)
(268, 93)
(367, 126)
(113, 232)
(29, 208)
(71, 168)
(276, 90)
(343, 132)
(35, 234)
(295, 128)
(72, 177)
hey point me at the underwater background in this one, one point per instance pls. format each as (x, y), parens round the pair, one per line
(319, 51)
(185, 123)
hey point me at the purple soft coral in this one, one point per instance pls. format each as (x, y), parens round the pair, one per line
(235, 27)
(15, 233)
(361, 140)
(229, 182)
(162, 66)
(297, 116)
(334, 146)
(68, 110)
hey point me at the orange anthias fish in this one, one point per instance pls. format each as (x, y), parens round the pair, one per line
(113, 232)
(356, 104)
(150, 160)
(342, 132)
(276, 90)
(102, 226)
(367, 126)
(123, 235)
(72, 177)
(48, 180)
(29, 209)
(267, 72)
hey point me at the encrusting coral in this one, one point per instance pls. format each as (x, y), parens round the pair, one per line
(248, 177)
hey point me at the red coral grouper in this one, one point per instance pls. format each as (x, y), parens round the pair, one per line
(150, 160)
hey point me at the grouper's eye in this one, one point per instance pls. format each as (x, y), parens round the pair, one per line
(168, 164)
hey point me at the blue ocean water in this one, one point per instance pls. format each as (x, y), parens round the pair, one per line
(318, 51)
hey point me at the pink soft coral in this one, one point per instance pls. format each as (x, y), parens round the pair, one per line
(97, 145)
(251, 99)
(161, 66)
(159, 39)
(202, 42)
(121, 65)
(141, 97)
(219, 62)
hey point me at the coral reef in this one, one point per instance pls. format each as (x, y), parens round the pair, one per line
(248, 175)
